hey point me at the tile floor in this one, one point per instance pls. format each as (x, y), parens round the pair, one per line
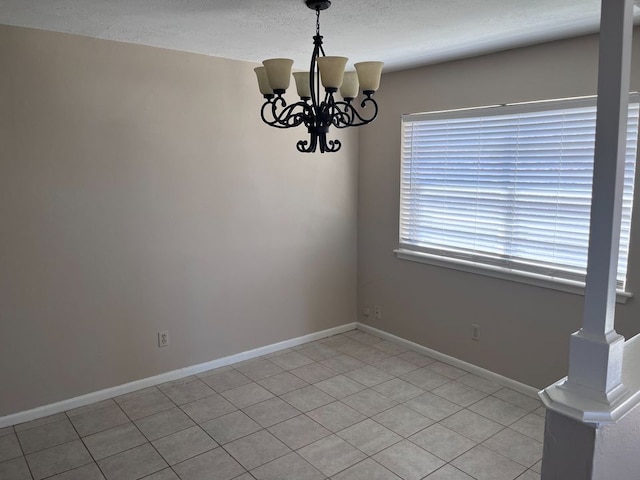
(348, 407)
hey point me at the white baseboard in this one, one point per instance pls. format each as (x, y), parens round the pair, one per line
(479, 371)
(107, 393)
(100, 395)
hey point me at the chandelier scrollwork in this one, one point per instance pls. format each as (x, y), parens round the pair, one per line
(316, 111)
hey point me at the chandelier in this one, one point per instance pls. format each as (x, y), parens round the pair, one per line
(317, 111)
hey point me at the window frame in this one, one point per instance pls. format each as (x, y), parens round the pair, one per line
(500, 271)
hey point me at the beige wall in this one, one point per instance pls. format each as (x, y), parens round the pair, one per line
(524, 329)
(139, 192)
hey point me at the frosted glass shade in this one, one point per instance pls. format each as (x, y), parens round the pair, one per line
(350, 85)
(302, 84)
(263, 81)
(369, 75)
(278, 72)
(331, 71)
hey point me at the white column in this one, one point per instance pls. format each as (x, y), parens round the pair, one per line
(593, 392)
(595, 361)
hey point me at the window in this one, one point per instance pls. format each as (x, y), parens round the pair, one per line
(507, 189)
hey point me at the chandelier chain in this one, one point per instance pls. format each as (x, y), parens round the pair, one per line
(317, 21)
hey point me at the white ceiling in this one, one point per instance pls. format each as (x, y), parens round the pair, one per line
(402, 33)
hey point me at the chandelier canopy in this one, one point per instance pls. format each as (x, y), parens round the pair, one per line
(316, 111)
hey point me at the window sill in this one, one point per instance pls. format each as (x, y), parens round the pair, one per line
(562, 285)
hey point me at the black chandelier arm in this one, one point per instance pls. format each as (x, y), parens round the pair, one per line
(288, 117)
(349, 116)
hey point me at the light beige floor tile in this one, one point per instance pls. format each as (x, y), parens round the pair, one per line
(41, 421)
(398, 390)
(87, 408)
(518, 399)
(307, 398)
(258, 369)
(208, 408)
(340, 386)
(531, 425)
(459, 393)
(164, 423)
(448, 472)
(231, 427)
(247, 395)
(182, 393)
(408, 461)
(498, 410)
(442, 442)
(391, 348)
(145, 404)
(425, 378)
(447, 370)
(291, 360)
(45, 436)
(416, 358)
(537, 467)
(342, 363)
(369, 402)
(271, 411)
(314, 372)
(15, 469)
(516, 446)
(299, 431)
(369, 376)
(369, 437)
(166, 474)
(115, 440)
(58, 459)
(213, 465)
(395, 366)
(472, 425)
(223, 380)
(484, 464)
(95, 421)
(331, 455)
(529, 475)
(433, 406)
(336, 416)
(185, 444)
(366, 470)
(282, 383)
(256, 449)
(291, 466)
(132, 464)
(10, 448)
(403, 420)
(87, 472)
(368, 354)
(542, 411)
(6, 431)
(479, 383)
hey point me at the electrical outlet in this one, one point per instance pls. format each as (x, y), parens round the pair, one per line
(163, 339)
(377, 312)
(475, 332)
(366, 311)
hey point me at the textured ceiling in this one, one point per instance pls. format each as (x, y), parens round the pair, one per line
(402, 33)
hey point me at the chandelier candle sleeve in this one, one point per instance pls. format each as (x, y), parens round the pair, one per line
(279, 73)
(263, 81)
(332, 71)
(350, 86)
(369, 75)
(302, 84)
(316, 110)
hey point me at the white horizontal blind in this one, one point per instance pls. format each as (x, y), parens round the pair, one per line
(508, 186)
